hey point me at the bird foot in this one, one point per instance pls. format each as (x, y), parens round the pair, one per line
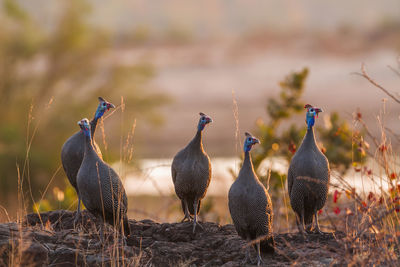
(187, 218)
(318, 231)
(259, 261)
(194, 226)
(303, 235)
(310, 231)
(247, 260)
(76, 220)
(250, 261)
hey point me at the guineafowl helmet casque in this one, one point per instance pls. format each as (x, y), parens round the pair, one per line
(249, 142)
(103, 107)
(204, 120)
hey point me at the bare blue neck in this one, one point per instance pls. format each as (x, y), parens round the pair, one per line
(309, 138)
(247, 163)
(197, 140)
(88, 141)
(93, 125)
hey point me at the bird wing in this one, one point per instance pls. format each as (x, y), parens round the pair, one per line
(173, 171)
(176, 164)
(118, 191)
(290, 178)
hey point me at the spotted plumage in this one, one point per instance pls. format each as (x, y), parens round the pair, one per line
(308, 177)
(191, 173)
(100, 187)
(250, 205)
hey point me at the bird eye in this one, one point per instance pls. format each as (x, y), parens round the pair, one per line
(249, 139)
(104, 104)
(312, 110)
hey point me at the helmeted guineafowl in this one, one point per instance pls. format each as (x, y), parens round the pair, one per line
(100, 187)
(251, 207)
(191, 173)
(308, 177)
(73, 149)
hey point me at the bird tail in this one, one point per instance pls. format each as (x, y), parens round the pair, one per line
(267, 245)
(127, 228)
(308, 219)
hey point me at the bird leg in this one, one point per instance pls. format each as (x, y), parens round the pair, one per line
(300, 223)
(317, 229)
(100, 242)
(196, 203)
(259, 259)
(121, 235)
(78, 212)
(187, 215)
(247, 255)
(122, 240)
(101, 233)
(309, 228)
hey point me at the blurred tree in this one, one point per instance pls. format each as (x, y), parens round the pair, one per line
(48, 81)
(335, 137)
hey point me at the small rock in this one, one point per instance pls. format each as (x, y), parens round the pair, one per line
(34, 254)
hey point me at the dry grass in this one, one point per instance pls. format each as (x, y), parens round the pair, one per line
(20, 242)
(369, 220)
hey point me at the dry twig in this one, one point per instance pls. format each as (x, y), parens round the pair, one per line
(372, 81)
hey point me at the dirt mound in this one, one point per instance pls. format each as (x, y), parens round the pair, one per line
(50, 239)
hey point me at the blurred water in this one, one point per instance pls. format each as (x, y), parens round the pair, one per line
(155, 178)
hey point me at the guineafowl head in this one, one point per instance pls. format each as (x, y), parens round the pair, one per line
(312, 112)
(204, 120)
(102, 108)
(249, 142)
(84, 124)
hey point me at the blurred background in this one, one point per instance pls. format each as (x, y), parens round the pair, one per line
(250, 65)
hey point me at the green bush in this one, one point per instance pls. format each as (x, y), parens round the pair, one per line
(335, 138)
(51, 78)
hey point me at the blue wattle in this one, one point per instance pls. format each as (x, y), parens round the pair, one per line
(99, 113)
(310, 121)
(201, 126)
(86, 132)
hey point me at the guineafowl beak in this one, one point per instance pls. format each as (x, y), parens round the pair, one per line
(209, 120)
(318, 110)
(256, 141)
(81, 124)
(109, 105)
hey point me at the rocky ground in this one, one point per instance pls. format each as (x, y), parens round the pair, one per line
(50, 239)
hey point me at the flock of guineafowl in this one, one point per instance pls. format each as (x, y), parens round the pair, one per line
(100, 189)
